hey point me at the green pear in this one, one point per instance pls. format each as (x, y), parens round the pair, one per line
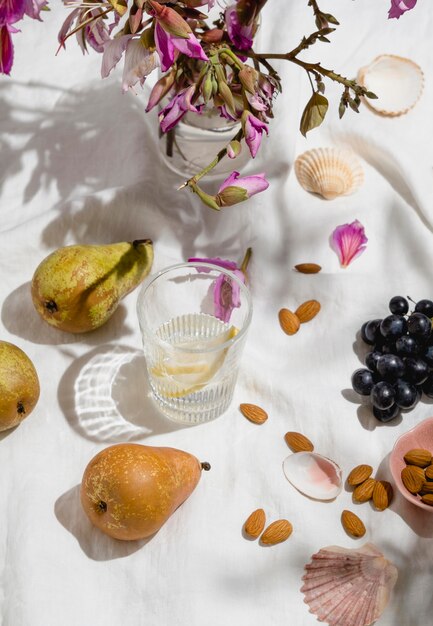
(19, 385)
(78, 288)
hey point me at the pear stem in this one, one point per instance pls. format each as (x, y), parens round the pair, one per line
(205, 466)
(138, 242)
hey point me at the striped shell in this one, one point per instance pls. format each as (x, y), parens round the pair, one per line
(348, 587)
(329, 172)
(397, 82)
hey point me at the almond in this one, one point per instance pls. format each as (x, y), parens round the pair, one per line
(277, 532)
(255, 523)
(253, 413)
(428, 499)
(298, 442)
(364, 491)
(418, 471)
(382, 494)
(419, 457)
(307, 310)
(352, 524)
(429, 472)
(426, 488)
(411, 479)
(308, 268)
(289, 322)
(359, 474)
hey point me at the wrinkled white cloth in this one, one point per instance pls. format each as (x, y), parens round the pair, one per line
(79, 163)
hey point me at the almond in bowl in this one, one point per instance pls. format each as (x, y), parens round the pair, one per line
(409, 463)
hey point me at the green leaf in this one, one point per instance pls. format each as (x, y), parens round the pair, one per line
(314, 113)
(331, 19)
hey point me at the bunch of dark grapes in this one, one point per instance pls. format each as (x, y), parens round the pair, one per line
(400, 364)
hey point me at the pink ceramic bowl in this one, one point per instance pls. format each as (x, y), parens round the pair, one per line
(421, 436)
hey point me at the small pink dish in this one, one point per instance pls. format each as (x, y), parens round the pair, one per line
(421, 436)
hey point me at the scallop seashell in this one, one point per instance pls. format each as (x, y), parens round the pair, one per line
(313, 475)
(348, 587)
(329, 172)
(396, 81)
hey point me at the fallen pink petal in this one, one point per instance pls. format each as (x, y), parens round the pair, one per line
(349, 241)
(398, 7)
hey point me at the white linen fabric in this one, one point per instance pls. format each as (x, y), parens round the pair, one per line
(79, 163)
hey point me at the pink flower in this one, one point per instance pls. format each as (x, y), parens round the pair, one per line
(6, 48)
(226, 293)
(235, 189)
(173, 35)
(113, 51)
(240, 34)
(11, 11)
(34, 7)
(139, 63)
(398, 7)
(253, 130)
(176, 109)
(349, 241)
(168, 47)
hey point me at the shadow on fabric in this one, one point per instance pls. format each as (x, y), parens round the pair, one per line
(105, 397)
(93, 542)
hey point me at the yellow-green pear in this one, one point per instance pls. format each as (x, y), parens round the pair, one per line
(19, 385)
(78, 288)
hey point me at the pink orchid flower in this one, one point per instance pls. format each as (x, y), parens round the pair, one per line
(34, 7)
(226, 293)
(6, 48)
(139, 63)
(173, 35)
(168, 47)
(11, 11)
(253, 130)
(349, 241)
(398, 7)
(174, 111)
(240, 34)
(235, 189)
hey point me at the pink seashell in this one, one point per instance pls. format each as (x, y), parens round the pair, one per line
(348, 587)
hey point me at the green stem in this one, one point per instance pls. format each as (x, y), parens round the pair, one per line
(221, 154)
(246, 260)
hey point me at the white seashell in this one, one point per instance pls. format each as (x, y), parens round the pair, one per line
(348, 587)
(396, 81)
(313, 475)
(329, 172)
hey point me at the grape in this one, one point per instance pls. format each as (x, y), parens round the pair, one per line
(371, 359)
(390, 367)
(406, 395)
(398, 305)
(386, 415)
(382, 395)
(393, 327)
(427, 386)
(425, 306)
(407, 346)
(417, 370)
(371, 331)
(389, 348)
(428, 356)
(362, 381)
(419, 325)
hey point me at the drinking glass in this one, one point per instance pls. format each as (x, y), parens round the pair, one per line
(193, 338)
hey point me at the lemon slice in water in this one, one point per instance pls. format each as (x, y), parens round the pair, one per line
(178, 375)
